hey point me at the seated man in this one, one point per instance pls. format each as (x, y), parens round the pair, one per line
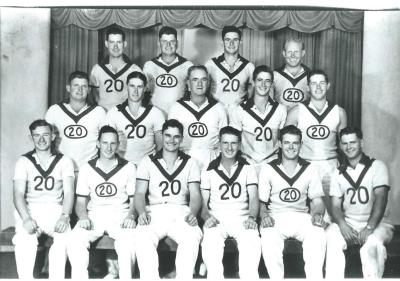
(230, 208)
(170, 180)
(43, 198)
(104, 204)
(285, 184)
(359, 194)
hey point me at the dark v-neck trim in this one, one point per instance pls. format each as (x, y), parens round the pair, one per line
(115, 76)
(321, 117)
(168, 68)
(247, 107)
(106, 176)
(77, 117)
(231, 75)
(122, 108)
(360, 177)
(230, 180)
(170, 177)
(289, 180)
(44, 173)
(197, 114)
(292, 80)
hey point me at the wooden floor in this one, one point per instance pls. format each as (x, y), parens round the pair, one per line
(293, 265)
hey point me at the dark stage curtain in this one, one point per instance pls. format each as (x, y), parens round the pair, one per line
(333, 42)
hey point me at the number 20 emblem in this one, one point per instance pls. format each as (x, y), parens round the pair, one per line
(75, 132)
(106, 189)
(318, 132)
(293, 95)
(289, 194)
(197, 130)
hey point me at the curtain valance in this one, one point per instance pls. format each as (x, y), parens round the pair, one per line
(265, 20)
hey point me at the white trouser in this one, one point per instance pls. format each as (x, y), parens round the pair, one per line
(167, 220)
(248, 243)
(293, 225)
(102, 222)
(46, 217)
(325, 169)
(372, 253)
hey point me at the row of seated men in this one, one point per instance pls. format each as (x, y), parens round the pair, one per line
(232, 159)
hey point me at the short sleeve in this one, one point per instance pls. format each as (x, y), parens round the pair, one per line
(20, 172)
(335, 189)
(67, 168)
(194, 173)
(173, 111)
(251, 175)
(50, 115)
(283, 115)
(315, 187)
(142, 172)
(159, 119)
(235, 118)
(82, 186)
(264, 185)
(380, 175)
(131, 183)
(223, 116)
(205, 180)
(111, 118)
(94, 74)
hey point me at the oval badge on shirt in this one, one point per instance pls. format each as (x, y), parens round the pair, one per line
(166, 81)
(318, 132)
(197, 130)
(293, 95)
(289, 194)
(106, 189)
(75, 132)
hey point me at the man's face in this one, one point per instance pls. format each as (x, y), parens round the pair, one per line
(290, 145)
(136, 89)
(198, 82)
(351, 146)
(115, 45)
(293, 54)
(168, 44)
(231, 43)
(263, 83)
(42, 138)
(78, 89)
(229, 145)
(172, 139)
(108, 145)
(318, 87)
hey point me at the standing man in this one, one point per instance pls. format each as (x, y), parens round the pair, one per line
(167, 72)
(359, 194)
(108, 77)
(77, 122)
(259, 118)
(291, 78)
(137, 122)
(230, 73)
(230, 208)
(285, 185)
(170, 180)
(105, 190)
(43, 199)
(320, 122)
(202, 118)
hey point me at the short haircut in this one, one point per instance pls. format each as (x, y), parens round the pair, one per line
(317, 72)
(229, 130)
(107, 129)
(172, 123)
(147, 94)
(137, 74)
(295, 40)
(40, 123)
(262, 68)
(290, 129)
(168, 31)
(196, 67)
(115, 30)
(351, 130)
(78, 74)
(231, 28)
